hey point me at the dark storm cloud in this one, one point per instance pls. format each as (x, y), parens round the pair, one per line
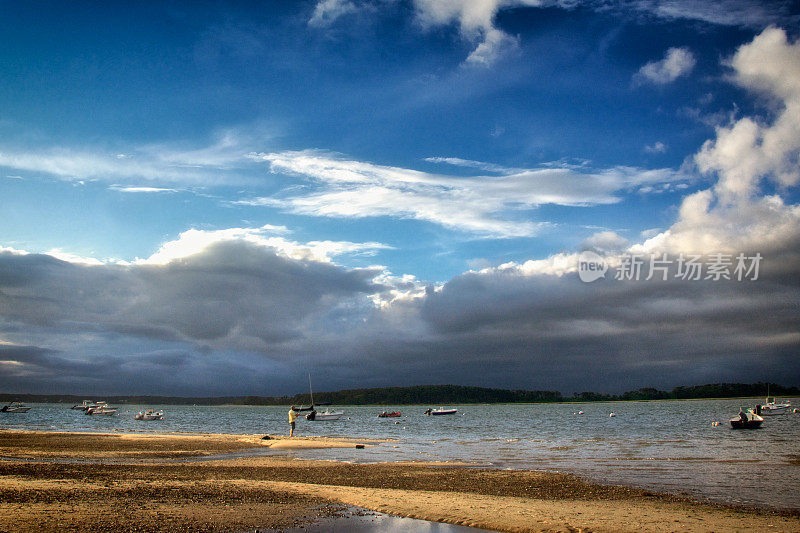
(243, 320)
(233, 294)
(510, 329)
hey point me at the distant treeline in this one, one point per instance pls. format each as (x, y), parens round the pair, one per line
(432, 394)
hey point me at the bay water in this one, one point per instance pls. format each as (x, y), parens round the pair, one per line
(668, 446)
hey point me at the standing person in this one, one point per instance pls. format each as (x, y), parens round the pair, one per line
(292, 416)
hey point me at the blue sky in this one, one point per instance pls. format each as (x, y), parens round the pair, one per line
(393, 156)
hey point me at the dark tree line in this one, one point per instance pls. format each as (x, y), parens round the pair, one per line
(436, 394)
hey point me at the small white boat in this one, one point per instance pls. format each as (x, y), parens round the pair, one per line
(772, 407)
(102, 409)
(327, 415)
(15, 407)
(149, 414)
(440, 411)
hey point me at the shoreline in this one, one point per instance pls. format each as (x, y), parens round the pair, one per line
(278, 491)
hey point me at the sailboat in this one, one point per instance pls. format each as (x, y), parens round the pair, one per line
(314, 415)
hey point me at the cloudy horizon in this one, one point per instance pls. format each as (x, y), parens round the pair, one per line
(395, 193)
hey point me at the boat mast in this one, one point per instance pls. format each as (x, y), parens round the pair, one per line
(310, 392)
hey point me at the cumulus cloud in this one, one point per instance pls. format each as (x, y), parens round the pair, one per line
(733, 215)
(480, 205)
(677, 62)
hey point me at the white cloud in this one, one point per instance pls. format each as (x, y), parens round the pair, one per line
(740, 13)
(73, 258)
(196, 241)
(161, 163)
(732, 215)
(458, 162)
(677, 62)
(140, 189)
(326, 12)
(495, 44)
(481, 205)
(657, 148)
(605, 242)
(475, 19)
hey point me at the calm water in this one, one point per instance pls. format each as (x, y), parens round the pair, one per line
(667, 446)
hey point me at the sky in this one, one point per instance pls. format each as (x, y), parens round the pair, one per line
(223, 198)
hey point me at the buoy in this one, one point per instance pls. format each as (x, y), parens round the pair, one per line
(580, 412)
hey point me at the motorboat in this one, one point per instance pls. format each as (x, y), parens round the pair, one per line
(102, 409)
(746, 420)
(393, 414)
(149, 414)
(87, 404)
(15, 407)
(327, 415)
(772, 407)
(434, 412)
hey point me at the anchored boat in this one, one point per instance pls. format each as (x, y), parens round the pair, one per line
(15, 407)
(746, 420)
(434, 412)
(149, 414)
(772, 407)
(102, 409)
(313, 415)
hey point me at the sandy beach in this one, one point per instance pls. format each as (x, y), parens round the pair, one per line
(144, 482)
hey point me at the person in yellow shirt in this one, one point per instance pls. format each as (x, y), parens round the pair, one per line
(292, 416)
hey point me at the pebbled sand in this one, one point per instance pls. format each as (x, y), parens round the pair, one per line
(147, 490)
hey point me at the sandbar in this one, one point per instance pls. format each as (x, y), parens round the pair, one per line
(44, 486)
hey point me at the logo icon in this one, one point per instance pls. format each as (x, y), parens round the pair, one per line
(591, 266)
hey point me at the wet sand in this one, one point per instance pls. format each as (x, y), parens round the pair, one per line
(148, 487)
